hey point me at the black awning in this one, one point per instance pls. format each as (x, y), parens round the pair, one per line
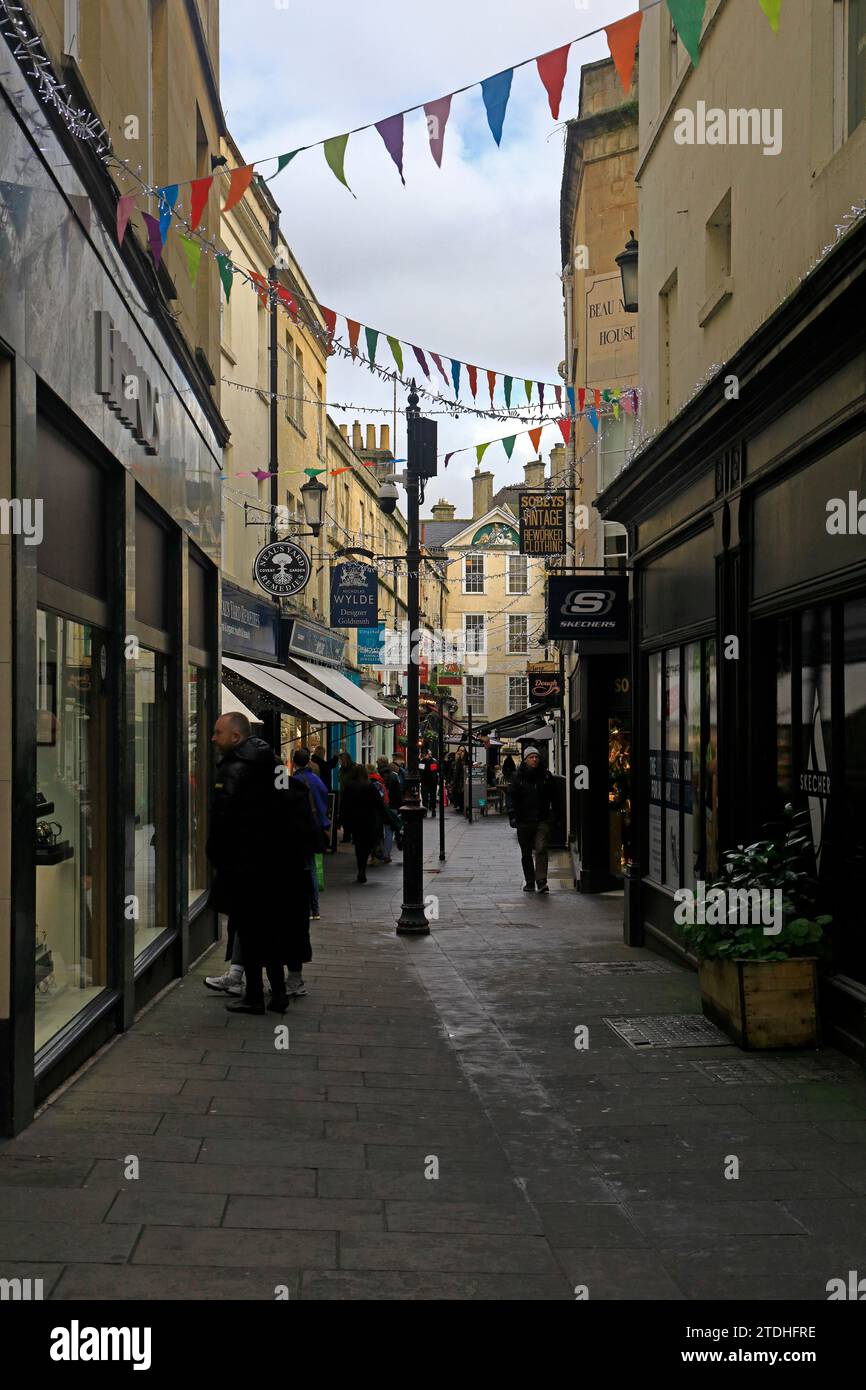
(513, 724)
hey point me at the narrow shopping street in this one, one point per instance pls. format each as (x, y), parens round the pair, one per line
(432, 1130)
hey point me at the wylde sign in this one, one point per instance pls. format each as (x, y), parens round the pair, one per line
(354, 595)
(126, 387)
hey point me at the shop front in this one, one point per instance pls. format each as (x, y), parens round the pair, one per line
(749, 625)
(110, 455)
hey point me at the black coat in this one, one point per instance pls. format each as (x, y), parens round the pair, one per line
(362, 811)
(530, 795)
(260, 836)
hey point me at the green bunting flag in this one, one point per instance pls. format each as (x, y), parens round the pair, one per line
(528, 385)
(772, 9)
(688, 18)
(335, 154)
(396, 352)
(192, 251)
(372, 336)
(507, 384)
(283, 160)
(226, 272)
(314, 472)
(508, 444)
(479, 450)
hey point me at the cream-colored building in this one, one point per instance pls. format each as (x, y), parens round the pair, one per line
(495, 596)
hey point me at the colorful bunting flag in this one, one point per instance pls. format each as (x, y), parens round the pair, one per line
(154, 237)
(391, 131)
(260, 475)
(198, 196)
(372, 336)
(240, 181)
(192, 251)
(354, 329)
(473, 379)
(438, 360)
(282, 161)
(507, 383)
(541, 395)
(622, 40)
(495, 92)
(592, 417)
(226, 272)
(479, 452)
(437, 113)
(535, 436)
(455, 376)
(565, 427)
(552, 68)
(569, 391)
(287, 300)
(330, 317)
(335, 154)
(581, 397)
(688, 18)
(166, 199)
(261, 285)
(449, 457)
(422, 361)
(596, 396)
(772, 9)
(528, 385)
(508, 444)
(125, 204)
(396, 352)
(491, 383)
(557, 391)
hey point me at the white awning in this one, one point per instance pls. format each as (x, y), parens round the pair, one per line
(367, 706)
(539, 735)
(295, 694)
(230, 704)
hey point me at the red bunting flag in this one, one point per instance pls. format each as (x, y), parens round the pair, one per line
(125, 205)
(622, 40)
(199, 191)
(286, 299)
(491, 382)
(565, 427)
(473, 379)
(240, 182)
(330, 317)
(354, 329)
(438, 360)
(261, 285)
(552, 69)
(581, 397)
(535, 436)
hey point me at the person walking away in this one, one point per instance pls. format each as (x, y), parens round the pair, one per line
(393, 801)
(530, 808)
(509, 767)
(261, 831)
(345, 774)
(304, 773)
(458, 791)
(363, 809)
(429, 770)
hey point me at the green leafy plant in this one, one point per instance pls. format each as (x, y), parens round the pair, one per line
(778, 863)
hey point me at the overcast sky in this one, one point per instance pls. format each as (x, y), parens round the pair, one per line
(464, 260)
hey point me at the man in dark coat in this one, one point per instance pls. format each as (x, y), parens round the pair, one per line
(261, 831)
(530, 809)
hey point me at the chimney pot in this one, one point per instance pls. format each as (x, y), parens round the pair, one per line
(482, 494)
(385, 439)
(344, 431)
(357, 442)
(371, 439)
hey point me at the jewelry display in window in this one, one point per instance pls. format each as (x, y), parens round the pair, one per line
(50, 848)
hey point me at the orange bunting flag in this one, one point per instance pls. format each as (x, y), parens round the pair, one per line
(240, 182)
(261, 285)
(473, 379)
(622, 41)
(597, 398)
(199, 190)
(491, 382)
(551, 69)
(354, 329)
(535, 436)
(565, 427)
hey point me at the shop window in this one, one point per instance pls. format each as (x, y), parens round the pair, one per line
(152, 845)
(656, 809)
(615, 546)
(849, 50)
(673, 774)
(198, 733)
(71, 850)
(852, 880)
(692, 820)
(682, 764)
(784, 711)
(711, 760)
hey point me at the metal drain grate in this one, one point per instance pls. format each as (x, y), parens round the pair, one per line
(668, 1030)
(623, 967)
(765, 1073)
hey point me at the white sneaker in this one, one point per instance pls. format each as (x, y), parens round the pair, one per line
(295, 984)
(226, 984)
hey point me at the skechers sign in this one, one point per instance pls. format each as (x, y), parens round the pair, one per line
(587, 608)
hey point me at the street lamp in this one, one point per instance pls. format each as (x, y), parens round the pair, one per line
(627, 262)
(313, 495)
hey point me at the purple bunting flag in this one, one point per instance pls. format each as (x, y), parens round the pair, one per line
(391, 131)
(154, 237)
(437, 113)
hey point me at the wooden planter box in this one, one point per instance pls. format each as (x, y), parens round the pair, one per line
(771, 1003)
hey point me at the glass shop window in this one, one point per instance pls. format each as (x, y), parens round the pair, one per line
(198, 721)
(153, 847)
(682, 764)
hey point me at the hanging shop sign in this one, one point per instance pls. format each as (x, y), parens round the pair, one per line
(371, 641)
(282, 569)
(545, 684)
(354, 595)
(306, 639)
(590, 609)
(450, 673)
(250, 624)
(542, 522)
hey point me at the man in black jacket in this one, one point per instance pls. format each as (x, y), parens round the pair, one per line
(261, 830)
(530, 807)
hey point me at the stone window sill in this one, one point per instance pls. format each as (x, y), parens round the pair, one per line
(715, 301)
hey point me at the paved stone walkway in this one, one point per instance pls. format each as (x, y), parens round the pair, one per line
(557, 1167)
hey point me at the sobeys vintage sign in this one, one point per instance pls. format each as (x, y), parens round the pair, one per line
(542, 522)
(282, 569)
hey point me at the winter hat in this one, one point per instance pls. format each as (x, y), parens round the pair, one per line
(531, 753)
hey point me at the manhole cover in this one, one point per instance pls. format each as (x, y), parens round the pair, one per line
(623, 967)
(668, 1030)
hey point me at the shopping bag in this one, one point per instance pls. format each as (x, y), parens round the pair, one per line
(320, 871)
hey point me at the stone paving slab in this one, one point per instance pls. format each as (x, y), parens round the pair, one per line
(311, 1168)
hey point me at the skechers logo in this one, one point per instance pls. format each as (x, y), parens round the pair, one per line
(585, 603)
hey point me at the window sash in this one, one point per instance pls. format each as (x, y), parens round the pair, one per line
(473, 574)
(517, 574)
(518, 634)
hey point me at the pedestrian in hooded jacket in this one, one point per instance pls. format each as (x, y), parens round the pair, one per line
(363, 816)
(530, 810)
(261, 831)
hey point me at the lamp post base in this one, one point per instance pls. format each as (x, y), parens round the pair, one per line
(412, 921)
